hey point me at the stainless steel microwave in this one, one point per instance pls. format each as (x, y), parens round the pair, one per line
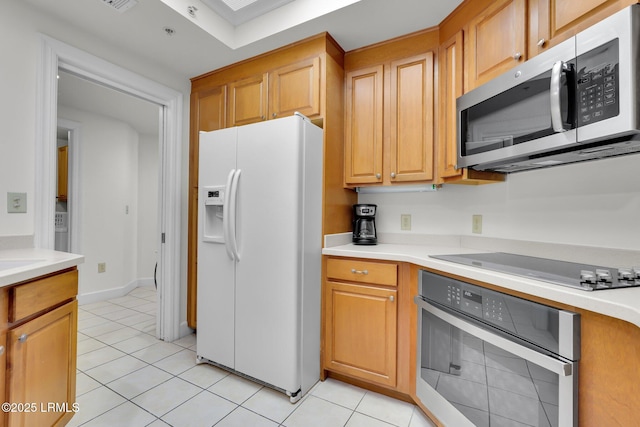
(579, 100)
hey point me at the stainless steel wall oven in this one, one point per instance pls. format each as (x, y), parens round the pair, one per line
(486, 358)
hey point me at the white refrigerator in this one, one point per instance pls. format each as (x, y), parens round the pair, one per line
(259, 252)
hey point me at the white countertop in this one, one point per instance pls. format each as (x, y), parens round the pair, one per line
(618, 303)
(18, 265)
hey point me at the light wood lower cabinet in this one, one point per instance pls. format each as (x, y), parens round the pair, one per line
(361, 325)
(42, 360)
(361, 320)
(38, 361)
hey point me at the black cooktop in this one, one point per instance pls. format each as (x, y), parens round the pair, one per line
(581, 276)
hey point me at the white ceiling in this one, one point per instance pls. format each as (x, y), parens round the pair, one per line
(192, 51)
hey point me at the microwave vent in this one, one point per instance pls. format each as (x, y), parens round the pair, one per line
(120, 5)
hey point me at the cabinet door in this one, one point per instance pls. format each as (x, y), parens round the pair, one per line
(295, 88)
(553, 21)
(42, 360)
(411, 124)
(208, 113)
(3, 369)
(363, 144)
(497, 41)
(211, 109)
(248, 100)
(63, 172)
(361, 332)
(451, 80)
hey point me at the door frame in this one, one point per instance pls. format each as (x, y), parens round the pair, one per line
(56, 55)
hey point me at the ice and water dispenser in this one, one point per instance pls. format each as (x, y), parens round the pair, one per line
(213, 214)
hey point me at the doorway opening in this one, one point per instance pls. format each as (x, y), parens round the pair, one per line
(56, 56)
(113, 152)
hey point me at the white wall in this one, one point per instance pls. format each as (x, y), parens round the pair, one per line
(148, 147)
(20, 47)
(593, 204)
(108, 201)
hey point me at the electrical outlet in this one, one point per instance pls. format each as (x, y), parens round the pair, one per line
(16, 202)
(476, 224)
(405, 222)
(102, 267)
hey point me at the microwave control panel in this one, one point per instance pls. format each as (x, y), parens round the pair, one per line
(597, 81)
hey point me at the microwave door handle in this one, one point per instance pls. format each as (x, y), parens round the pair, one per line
(554, 95)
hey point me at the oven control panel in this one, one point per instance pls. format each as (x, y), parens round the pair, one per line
(510, 313)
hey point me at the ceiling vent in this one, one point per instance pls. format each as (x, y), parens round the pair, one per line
(120, 5)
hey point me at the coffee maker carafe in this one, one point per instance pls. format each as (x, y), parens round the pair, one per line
(364, 224)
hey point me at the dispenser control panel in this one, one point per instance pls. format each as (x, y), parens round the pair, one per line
(214, 197)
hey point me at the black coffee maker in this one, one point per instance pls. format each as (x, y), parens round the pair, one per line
(364, 224)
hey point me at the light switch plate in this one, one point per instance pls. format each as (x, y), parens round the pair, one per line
(16, 202)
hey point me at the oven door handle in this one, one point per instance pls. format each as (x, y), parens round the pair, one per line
(554, 365)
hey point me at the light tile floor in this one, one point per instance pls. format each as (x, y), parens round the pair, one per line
(126, 377)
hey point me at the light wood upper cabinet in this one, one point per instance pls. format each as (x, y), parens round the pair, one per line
(411, 133)
(496, 42)
(553, 21)
(279, 93)
(210, 108)
(295, 88)
(389, 122)
(363, 142)
(248, 100)
(451, 87)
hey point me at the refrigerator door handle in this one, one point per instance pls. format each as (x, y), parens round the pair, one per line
(227, 215)
(232, 220)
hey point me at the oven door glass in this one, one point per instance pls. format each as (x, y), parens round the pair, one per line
(488, 384)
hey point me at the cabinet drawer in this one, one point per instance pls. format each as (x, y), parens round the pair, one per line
(363, 271)
(33, 297)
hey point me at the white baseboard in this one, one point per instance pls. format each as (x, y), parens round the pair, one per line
(107, 294)
(146, 282)
(184, 330)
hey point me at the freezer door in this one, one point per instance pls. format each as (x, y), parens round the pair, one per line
(269, 234)
(216, 269)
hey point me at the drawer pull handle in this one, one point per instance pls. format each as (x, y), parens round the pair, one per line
(391, 298)
(354, 271)
(1, 350)
(22, 338)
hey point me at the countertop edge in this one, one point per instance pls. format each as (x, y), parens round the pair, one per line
(616, 303)
(45, 262)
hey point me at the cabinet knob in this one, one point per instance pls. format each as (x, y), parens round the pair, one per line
(378, 176)
(393, 174)
(274, 115)
(262, 117)
(22, 338)
(392, 298)
(354, 271)
(541, 42)
(517, 56)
